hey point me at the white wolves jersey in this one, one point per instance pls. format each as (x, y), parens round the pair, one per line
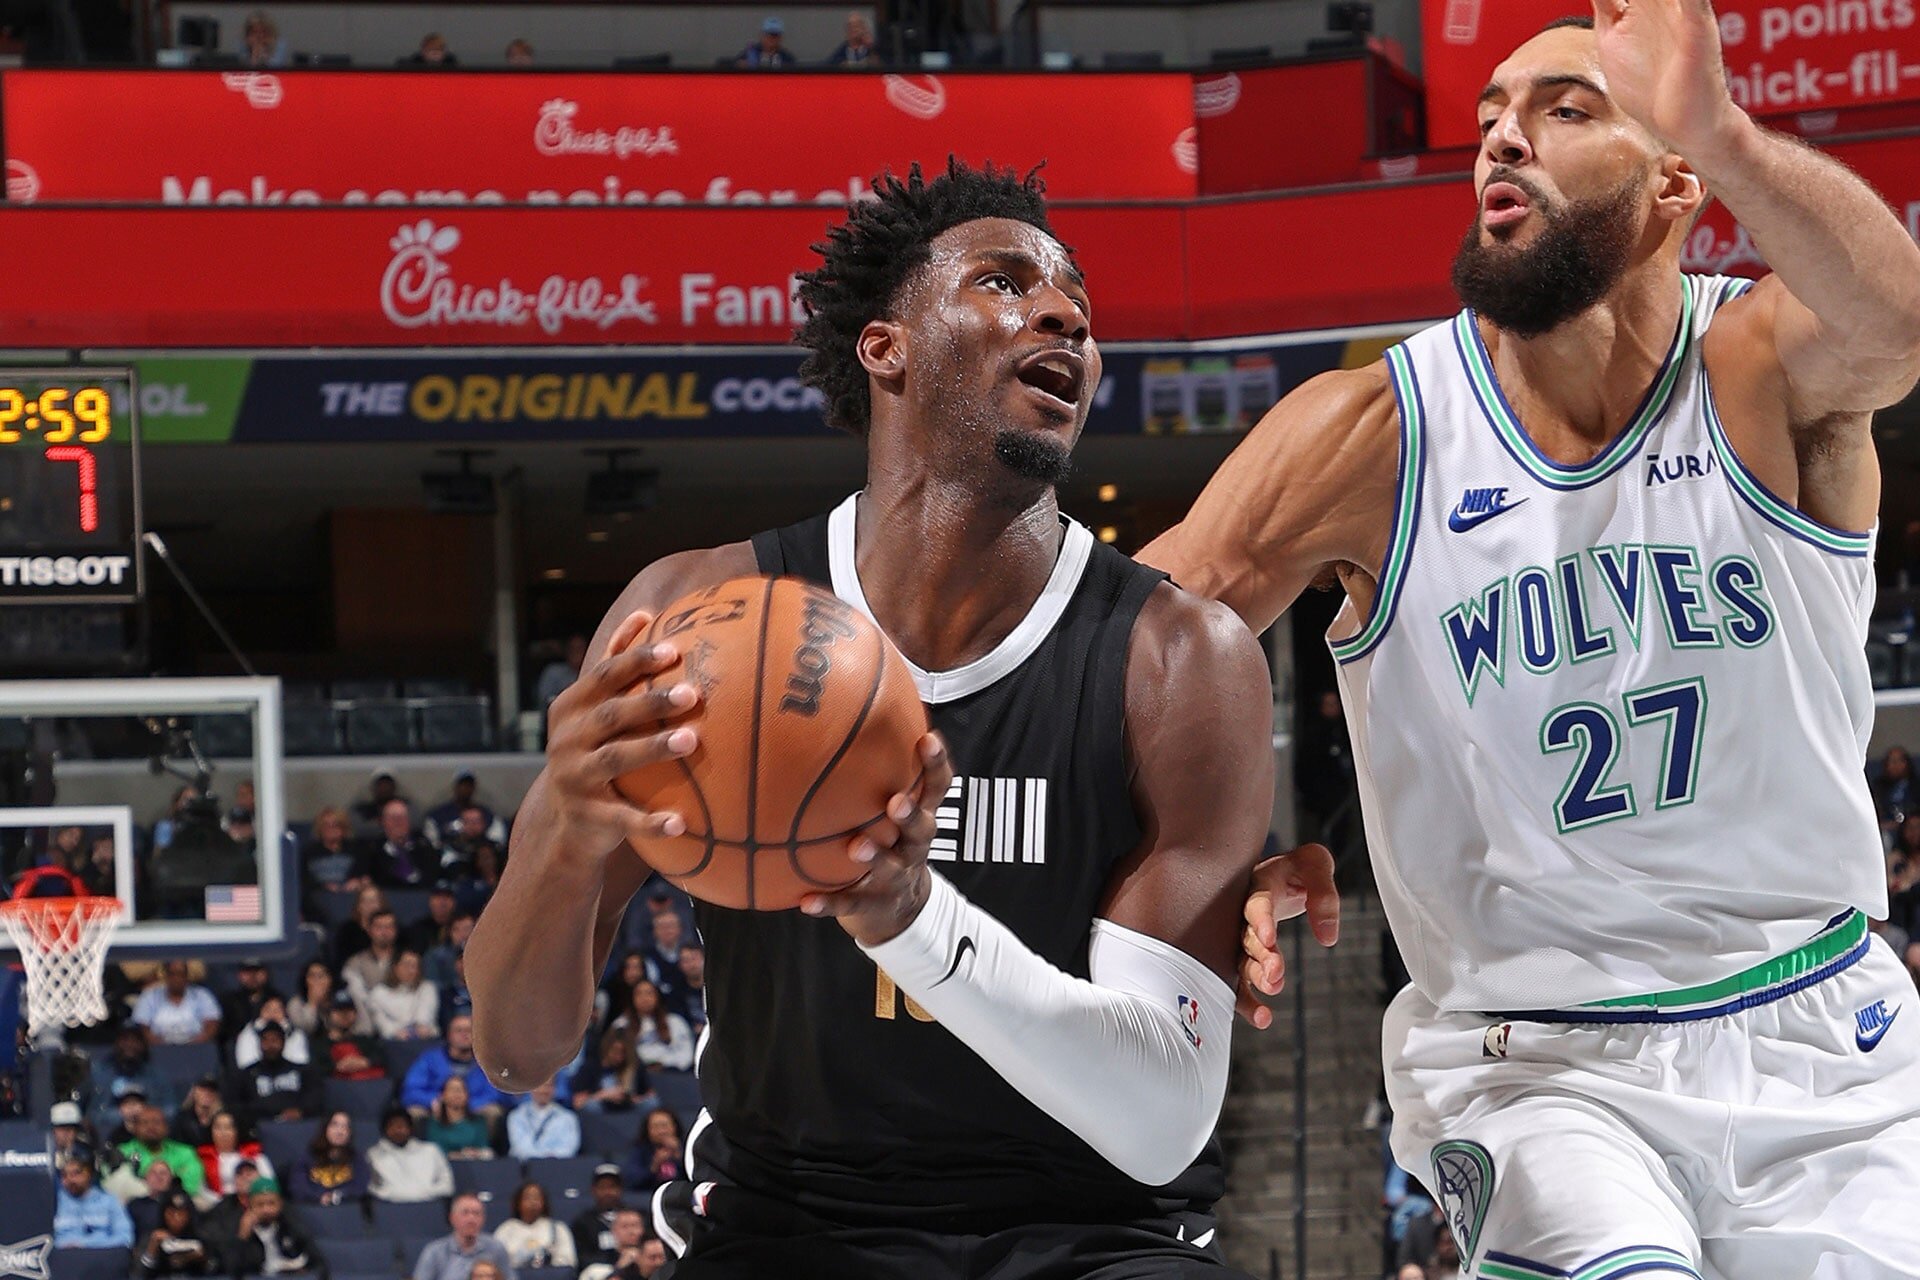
(1610, 719)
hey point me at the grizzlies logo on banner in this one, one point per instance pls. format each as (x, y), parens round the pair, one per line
(1463, 1181)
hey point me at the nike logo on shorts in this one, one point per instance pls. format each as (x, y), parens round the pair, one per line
(1872, 1024)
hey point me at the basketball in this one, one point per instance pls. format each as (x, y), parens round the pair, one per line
(809, 723)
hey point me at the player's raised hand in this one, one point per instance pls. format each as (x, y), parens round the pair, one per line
(877, 906)
(601, 728)
(1662, 62)
(1284, 886)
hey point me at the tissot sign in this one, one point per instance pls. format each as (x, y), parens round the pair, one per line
(291, 138)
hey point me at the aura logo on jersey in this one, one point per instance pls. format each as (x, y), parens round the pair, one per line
(992, 820)
(1668, 468)
(1576, 610)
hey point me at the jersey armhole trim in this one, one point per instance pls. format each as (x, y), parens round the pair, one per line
(769, 556)
(1771, 507)
(1406, 511)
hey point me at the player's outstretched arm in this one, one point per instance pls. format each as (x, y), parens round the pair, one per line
(541, 943)
(1156, 1015)
(1834, 333)
(1310, 488)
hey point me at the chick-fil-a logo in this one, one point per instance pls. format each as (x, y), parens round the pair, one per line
(419, 290)
(1216, 97)
(923, 99)
(1707, 251)
(554, 134)
(23, 183)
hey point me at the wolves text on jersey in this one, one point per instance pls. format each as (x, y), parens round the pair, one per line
(1577, 610)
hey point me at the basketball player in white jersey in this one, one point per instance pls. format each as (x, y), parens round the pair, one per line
(1606, 538)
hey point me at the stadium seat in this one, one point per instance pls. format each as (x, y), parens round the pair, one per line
(545, 1273)
(400, 1056)
(411, 1248)
(569, 1182)
(494, 1181)
(90, 1264)
(378, 726)
(286, 1141)
(364, 1100)
(224, 736)
(363, 690)
(330, 1222)
(182, 1064)
(609, 1133)
(376, 1257)
(409, 905)
(679, 1093)
(1251, 55)
(387, 1274)
(398, 1221)
(310, 729)
(22, 1135)
(333, 906)
(1145, 60)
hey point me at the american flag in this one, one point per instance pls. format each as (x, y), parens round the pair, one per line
(233, 903)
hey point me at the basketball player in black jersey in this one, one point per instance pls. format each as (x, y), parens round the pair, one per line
(1002, 1052)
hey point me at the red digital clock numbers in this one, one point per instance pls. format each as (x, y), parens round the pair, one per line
(89, 482)
(70, 522)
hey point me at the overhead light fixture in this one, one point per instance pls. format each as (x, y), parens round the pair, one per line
(1109, 534)
(597, 535)
(1108, 492)
(465, 492)
(553, 575)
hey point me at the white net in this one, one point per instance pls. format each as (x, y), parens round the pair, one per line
(63, 943)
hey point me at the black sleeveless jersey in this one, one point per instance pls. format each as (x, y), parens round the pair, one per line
(826, 1087)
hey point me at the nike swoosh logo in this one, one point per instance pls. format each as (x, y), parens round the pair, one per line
(1460, 522)
(1869, 1043)
(959, 954)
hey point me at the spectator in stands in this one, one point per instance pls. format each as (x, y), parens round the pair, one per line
(768, 53)
(223, 1154)
(593, 1238)
(331, 1172)
(240, 829)
(432, 54)
(858, 49)
(405, 1006)
(661, 1039)
(655, 1157)
(168, 826)
(193, 1122)
(540, 1128)
(439, 960)
(462, 848)
(273, 1010)
(100, 875)
(329, 860)
(487, 864)
(431, 1069)
(220, 1224)
(627, 1237)
(433, 929)
(1411, 1271)
(531, 1237)
(174, 1011)
(68, 850)
(615, 996)
(261, 45)
(366, 813)
(346, 1054)
(175, 1247)
(400, 859)
(402, 1168)
(452, 1256)
(662, 957)
(307, 1011)
(84, 1216)
(617, 1083)
(1445, 1263)
(69, 1131)
(485, 1270)
(693, 987)
(653, 1257)
(368, 969)
(558, 676)
(150, 1142)
(274, 1088)
(453, 1126)
(129, 1100)
(266, 1243)
(242, 1005)
(145, 1209)
(444, 822)
(357, 930)
(519, 52)
(456, 999)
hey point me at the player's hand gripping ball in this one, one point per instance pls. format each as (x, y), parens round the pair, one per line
(808, 724)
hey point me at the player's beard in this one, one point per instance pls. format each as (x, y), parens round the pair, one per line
(1033, 456)
(1579, 255)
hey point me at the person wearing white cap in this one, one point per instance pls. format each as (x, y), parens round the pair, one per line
(68, 1133)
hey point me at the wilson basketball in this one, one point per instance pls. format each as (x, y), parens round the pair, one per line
(809, 723)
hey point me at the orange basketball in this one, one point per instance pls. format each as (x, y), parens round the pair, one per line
(808, 722)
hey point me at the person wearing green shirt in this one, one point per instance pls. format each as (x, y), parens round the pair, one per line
(150, 1142)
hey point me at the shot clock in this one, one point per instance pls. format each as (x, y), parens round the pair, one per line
(69, 487)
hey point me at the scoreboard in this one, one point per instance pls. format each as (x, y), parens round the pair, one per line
(70, 530)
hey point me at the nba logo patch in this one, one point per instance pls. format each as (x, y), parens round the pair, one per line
(1463, 1182)
(1190, 1019)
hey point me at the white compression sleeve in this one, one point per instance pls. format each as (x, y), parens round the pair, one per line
(1133, 1061)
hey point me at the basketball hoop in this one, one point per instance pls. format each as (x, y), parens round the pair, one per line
(63, 942)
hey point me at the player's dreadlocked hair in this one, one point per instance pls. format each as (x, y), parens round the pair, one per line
(875, 251)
